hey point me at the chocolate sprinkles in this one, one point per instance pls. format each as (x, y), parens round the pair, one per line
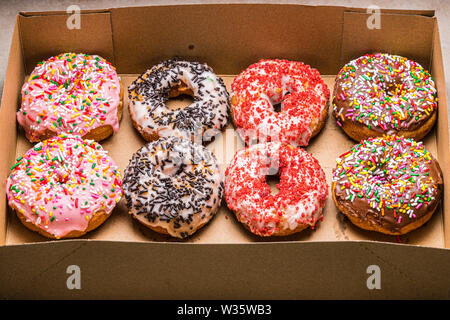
(149, 93)
(174, 184)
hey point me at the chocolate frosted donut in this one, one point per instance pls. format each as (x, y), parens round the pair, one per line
(380, 93)
(148, 95)
(388, 184)
(173, 186)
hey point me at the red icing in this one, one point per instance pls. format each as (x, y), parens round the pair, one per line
(302, 188)
(297, 86)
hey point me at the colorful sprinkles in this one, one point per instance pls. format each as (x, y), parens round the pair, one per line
(385, 92)
(62, 182)
(70, 93)
(391, 178)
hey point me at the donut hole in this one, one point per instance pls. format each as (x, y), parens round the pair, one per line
(180, 97)
(392, 89)
(62, 177)
(277, 102)
(376, 169)
(179, 102)
(61, 174)
(272, 181)
(277, 107)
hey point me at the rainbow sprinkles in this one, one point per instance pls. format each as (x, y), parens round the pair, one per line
(61, 183)
(390, 180)
(70, 93)
(387, 93)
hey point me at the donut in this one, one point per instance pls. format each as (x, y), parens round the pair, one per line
(64, 187)
(296, 88)
(388, 184)
(148, 94)
(173, 186)
(71, 93)
(302, 192)
(380, 94)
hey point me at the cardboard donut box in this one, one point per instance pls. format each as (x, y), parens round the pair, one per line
(122, 259)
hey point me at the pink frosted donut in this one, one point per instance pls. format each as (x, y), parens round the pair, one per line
(296, 88)
(71, 93)
(64, 187)
(302, 189)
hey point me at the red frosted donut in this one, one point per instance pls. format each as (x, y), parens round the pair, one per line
(302, 189)
(259, 91)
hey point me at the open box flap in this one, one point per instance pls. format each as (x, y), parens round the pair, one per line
(93, 37)
(304, 270)
(358, 39)
(442, 136)
(235, 37)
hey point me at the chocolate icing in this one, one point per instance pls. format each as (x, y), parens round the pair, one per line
(360, 207)
(367, 75)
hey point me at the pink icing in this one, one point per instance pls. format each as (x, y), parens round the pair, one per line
(70, 93)
(61, 182)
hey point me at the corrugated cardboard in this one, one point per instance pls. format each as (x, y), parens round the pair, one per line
(122, 259)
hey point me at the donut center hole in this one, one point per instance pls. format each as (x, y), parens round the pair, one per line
(180, 97)
(277, 101)
(272, 181)
(277, 107)
(392, 89)
(62, 175)
(377, 170)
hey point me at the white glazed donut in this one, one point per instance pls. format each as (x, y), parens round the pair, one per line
(302, 189)
(148, 95)
(173, 186)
